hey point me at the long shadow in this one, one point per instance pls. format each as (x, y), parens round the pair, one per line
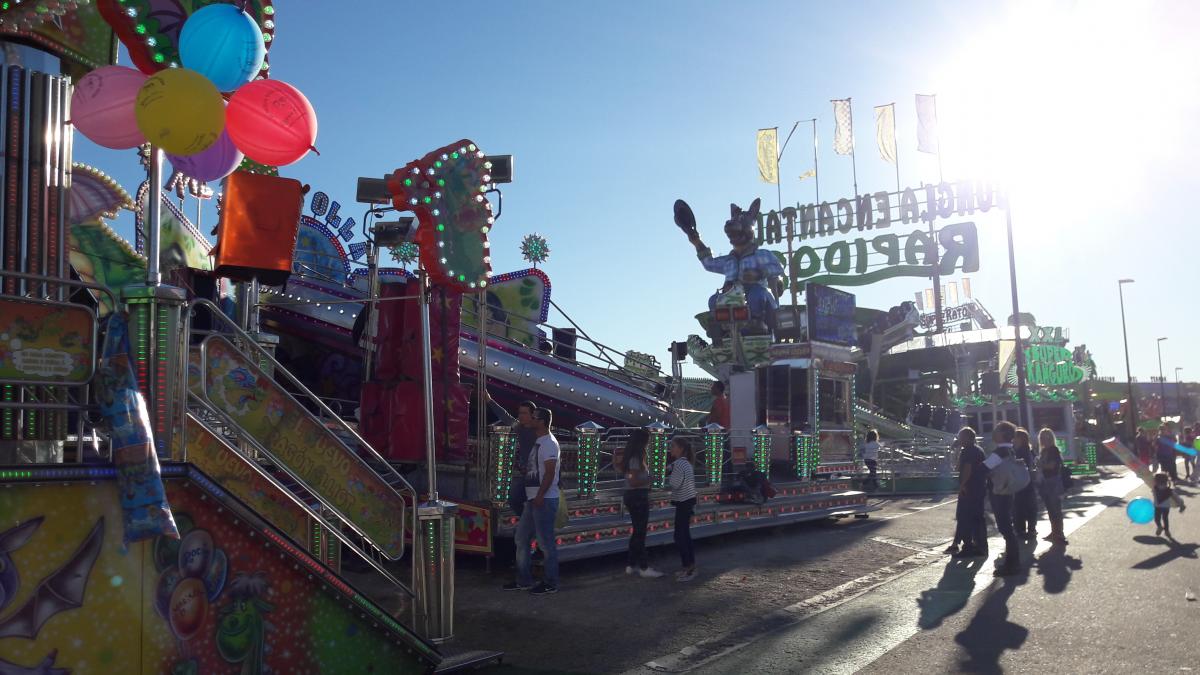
(951, 594)
(1056, 567)
(990, 633)
(1175, 550)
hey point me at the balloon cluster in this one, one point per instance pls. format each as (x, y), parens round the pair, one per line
(192, 573)
(183, 110)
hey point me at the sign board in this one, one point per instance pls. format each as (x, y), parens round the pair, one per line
(958, 313)
(830, 314)
(46, 342)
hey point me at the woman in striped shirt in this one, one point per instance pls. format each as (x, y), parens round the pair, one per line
(682, 478)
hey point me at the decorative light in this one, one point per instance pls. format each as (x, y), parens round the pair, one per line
(714, 451)
(405, 253)
(658, 453)
(504, 443)
(534, 249)
(588, 459)
(762, 448)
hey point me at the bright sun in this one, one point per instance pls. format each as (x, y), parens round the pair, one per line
(1062, 102)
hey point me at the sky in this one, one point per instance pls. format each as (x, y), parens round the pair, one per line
(1085, 111)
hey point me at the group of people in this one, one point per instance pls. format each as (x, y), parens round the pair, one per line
(535, 495)
(1160, 454)
(1012, 478)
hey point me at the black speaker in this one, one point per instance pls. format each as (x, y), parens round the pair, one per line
(990, 383)
(564, 343)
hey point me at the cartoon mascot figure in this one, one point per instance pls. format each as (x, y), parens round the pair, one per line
(757, 271)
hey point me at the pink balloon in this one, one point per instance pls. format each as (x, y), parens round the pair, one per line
(271, 122)
(212, 164)
(102, 107)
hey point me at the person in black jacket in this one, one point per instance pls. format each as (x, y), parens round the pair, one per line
(1025, 508)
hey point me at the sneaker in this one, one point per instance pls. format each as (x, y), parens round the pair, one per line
(516, 586)
(543, 589)
(649, 573)
(1049, 537)
(686, 575)
(628, 569)
(1007, 570)
(1158, 531)
(969, 552)
(951, 549)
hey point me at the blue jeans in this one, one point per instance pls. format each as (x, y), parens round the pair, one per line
(1002, 509)
(541, 520)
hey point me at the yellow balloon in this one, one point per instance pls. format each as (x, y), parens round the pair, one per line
(180, 111)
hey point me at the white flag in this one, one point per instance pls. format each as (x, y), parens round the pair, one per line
(843, 134)
(768, 155)
(885, 131)
(808, 174)
(927, 124)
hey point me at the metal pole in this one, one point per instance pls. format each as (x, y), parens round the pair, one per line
(853, 160)
(1128, 374)
(153, 273)
(427, 376)
(1022, 399)
(481, 425)
(779, 203)
(1179, 395)
(816, 169)
(1162, 381)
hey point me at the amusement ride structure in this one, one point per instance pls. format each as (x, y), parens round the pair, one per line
(228, 423)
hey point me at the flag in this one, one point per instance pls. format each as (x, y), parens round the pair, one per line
(885, 131)
(808, 174)
(927, 125)
(768, 155)
(843, 134)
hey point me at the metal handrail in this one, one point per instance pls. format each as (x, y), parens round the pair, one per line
(246, 438)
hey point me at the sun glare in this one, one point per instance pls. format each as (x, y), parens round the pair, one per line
(1059, 102)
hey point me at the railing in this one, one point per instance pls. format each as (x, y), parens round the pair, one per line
(372, 552)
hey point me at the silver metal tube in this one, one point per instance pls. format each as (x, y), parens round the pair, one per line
(427, 376)
(154, 206)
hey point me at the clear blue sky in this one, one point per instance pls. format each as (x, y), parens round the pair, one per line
(613, 110)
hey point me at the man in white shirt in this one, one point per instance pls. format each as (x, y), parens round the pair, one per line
(537, 518)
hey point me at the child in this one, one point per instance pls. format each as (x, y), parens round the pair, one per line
(1162, 503)
(682, 479)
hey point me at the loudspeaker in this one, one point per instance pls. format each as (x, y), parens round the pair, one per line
(990, 383)
(564, 343)
(256, 236)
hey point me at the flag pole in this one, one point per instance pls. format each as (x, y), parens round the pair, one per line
(896, 144)
(938, 127)
(816, 169)
(853, 161)
(779, 203)
(937, 277)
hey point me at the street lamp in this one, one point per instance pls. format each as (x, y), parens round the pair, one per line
(1179, 394)
(1162, 381)
(1128, 376)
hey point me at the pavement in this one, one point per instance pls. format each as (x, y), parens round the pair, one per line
(1118, 599)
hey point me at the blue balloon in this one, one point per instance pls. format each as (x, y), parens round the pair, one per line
(1140, 510)
(224, 44)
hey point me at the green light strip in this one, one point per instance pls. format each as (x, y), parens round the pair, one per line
(658, 458)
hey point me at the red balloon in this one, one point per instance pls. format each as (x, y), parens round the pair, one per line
(271, 122)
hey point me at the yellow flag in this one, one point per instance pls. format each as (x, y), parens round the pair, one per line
(808, 174)
(768, 155)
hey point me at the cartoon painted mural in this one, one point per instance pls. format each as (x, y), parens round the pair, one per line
(517, 302)
(265, 411)
(221, 600)
(46, 342)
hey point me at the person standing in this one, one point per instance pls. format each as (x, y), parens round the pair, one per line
(681, 476)
(1162, 503)
(526, 433)
(1003, 491)
(541, 507)
(1188, 439)
(971, 529)
(719, 412)
(637, 502)
(1166, 453)
(1025, 510)
(870, 454)
(1051, 488)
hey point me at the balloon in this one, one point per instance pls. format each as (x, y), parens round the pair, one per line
(213, 164)
(224, 44)
(189, 606)
(102, 107)
(214, 578)
(1140, 510)
(180, 111)
(195, 553)
(271, 122)
(167, 582)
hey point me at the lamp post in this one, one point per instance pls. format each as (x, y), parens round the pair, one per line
(1128, 376)
(1162, 381)
(1179, 394)
(1022, 398)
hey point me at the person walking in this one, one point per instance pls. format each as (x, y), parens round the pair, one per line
(1187, 438)
(637, 502)
(1166, 453)
(971, 528)
(1003, 474)
(540, 509)
(1051, 488)
(681, 476)
(870, 454)
(1162, 503)
(1025, 510)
